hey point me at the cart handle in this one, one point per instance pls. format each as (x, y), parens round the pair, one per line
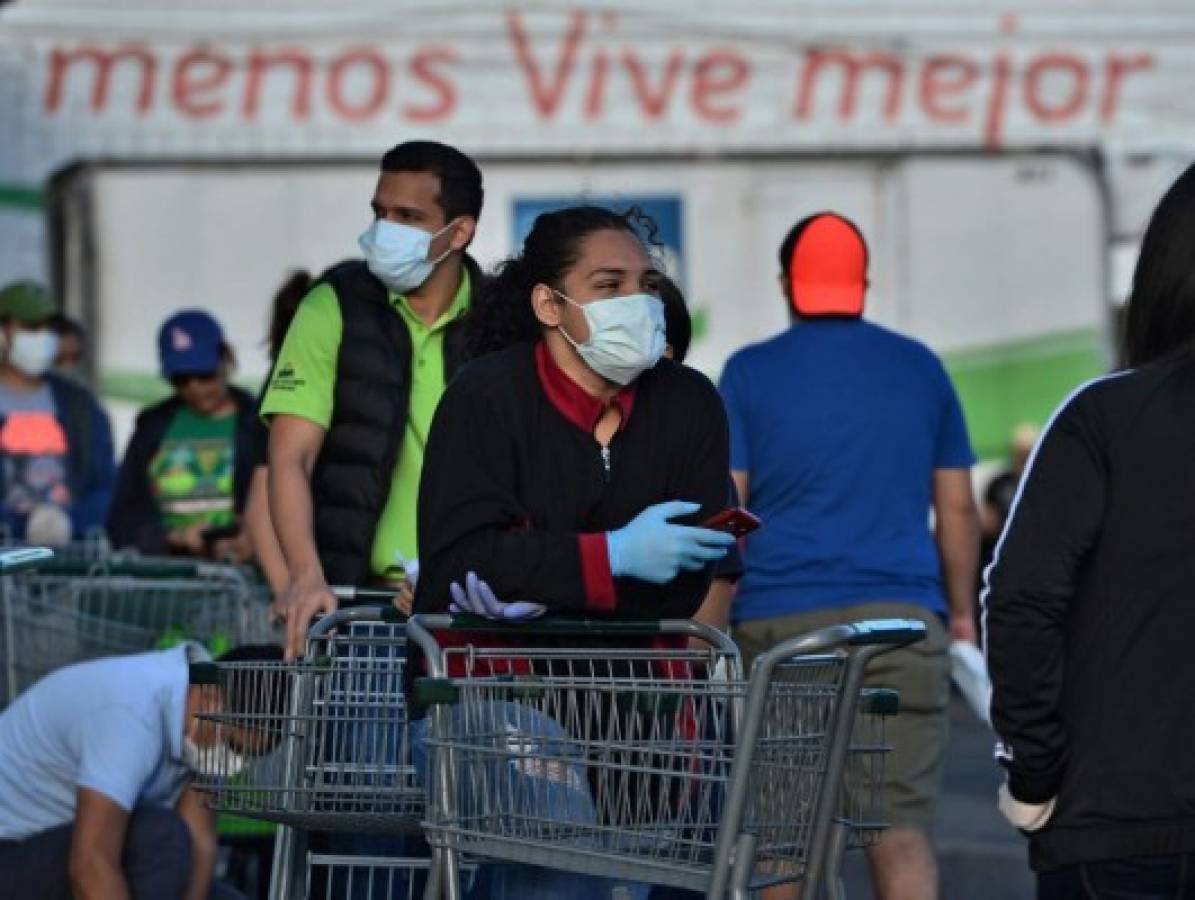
(552, 625)
(363, 595)
(24, 558)
(134, 567)
(894, 632)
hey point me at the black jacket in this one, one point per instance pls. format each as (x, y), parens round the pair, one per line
(351, 480)
(1090, 614)
(509, 483)
(135, 519)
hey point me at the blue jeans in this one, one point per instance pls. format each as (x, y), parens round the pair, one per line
(532, 788)
(1137, 878)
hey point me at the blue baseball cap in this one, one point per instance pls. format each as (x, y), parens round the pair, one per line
(190, 342)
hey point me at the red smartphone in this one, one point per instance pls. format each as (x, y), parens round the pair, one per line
(736, 521)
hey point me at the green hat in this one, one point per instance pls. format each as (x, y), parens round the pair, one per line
(27, 302)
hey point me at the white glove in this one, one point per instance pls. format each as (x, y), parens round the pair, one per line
(477, 598)
(1025, 816)
(49, 525)
(410, 566)
(969, 671)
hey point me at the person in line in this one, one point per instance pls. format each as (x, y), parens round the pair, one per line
(57, 465)
(95, 767)
(1088, 607)
(568, 465)
(1002, 489)
(185, 476)
(844, 436)
(258, 524)
(360, 374)
(72, 346)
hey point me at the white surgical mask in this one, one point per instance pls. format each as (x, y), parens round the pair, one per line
(33, 352)
(220, 761)
(397, 253)
(626, 335)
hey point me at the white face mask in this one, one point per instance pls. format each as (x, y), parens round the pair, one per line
(33, 352)
(220, 761)
(397, 253)
(626, 335)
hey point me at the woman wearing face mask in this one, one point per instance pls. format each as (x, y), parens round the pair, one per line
(56, 460)
(185, 477)
(567, 468)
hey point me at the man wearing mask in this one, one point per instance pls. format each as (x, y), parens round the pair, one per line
(57, 468)
(360, 374)
(96, 762)
(843, 437)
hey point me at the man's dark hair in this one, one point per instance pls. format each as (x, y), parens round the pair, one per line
(1160, 319)
(461, 193)
(502, 314)
(62, 325)
(678, 326)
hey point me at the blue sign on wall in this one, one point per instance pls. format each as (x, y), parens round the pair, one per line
(665, 210)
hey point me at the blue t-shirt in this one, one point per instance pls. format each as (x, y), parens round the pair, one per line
(113, 725)
(840, 424)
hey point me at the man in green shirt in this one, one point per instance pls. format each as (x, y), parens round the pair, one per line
(354, 389)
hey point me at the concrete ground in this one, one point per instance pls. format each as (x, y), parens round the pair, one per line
(981, 857)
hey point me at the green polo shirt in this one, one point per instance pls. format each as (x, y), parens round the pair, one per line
(304, 383)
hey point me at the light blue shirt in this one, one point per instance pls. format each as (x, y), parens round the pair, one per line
(113, 725)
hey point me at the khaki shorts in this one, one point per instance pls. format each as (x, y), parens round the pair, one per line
(921, 673)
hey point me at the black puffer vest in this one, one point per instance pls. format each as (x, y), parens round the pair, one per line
(351, 480)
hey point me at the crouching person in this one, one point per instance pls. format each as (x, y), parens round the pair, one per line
(96, 762)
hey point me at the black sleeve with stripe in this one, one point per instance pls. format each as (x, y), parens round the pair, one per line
(1031, 584)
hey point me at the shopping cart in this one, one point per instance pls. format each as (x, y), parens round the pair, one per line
(637, 765)
(339, 762)
(70, 609)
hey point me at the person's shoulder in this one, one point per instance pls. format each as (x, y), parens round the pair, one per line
(161, 411)
(72, 390)
(496, 373)
(762, 351)
(683, 384)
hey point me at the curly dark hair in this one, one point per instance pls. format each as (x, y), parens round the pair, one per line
(502, 313)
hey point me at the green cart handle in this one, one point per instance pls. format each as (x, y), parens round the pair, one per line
(22, 559)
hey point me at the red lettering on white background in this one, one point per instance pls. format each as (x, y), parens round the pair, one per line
(103, 61)
(946, 76)
(424, 68)
(653, 100)
(377, 68)
(993, 122)
(852, 65)
(546, 94)
(1119, 68)
(199, 74)
(1072, 68)
(298, 61)
(717, 76)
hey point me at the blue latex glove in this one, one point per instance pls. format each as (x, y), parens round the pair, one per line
(477, 598)
(653, 549)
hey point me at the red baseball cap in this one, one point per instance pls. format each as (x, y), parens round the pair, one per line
(828, 268)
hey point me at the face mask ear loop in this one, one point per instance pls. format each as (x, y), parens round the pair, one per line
(560, 328)
(443, 256)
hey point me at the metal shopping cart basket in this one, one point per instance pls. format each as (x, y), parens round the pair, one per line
(337, 761)
(632, 762)
(66, 610)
